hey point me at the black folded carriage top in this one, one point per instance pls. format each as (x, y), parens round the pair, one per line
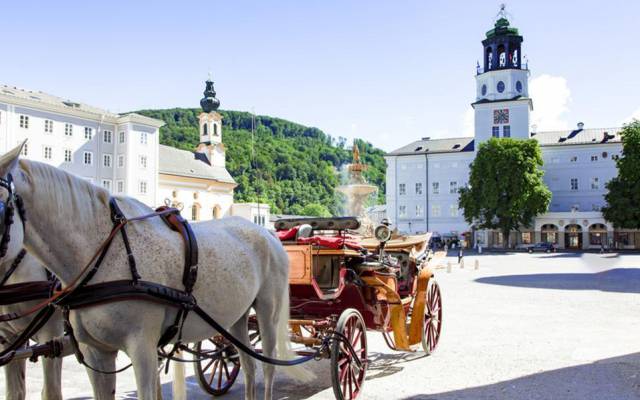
(319, 224)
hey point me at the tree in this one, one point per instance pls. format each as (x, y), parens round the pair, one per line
(315, 210)
(506, 190)
(623, 196)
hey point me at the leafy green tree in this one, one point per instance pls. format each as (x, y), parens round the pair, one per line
(623, 196)
(285, 164)
(505, 190)
(315, 210)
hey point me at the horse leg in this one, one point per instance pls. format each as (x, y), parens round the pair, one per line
(267, 313)
(240, 331)
(104, 385)
(14, 374)
(144, 357)
(52, 371)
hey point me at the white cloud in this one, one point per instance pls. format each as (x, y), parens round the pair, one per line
(634, 115)
(551, 98)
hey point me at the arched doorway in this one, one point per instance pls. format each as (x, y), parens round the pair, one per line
(573, 236)
(598, 235)
(217, 212)
(549, 233)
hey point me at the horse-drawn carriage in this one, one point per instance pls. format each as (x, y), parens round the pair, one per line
(345, 285)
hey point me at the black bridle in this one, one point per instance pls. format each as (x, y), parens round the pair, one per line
(7, 213)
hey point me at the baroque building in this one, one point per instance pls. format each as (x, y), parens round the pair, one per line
(423, 177)
(123, 154)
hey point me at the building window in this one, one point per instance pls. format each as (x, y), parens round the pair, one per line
(120, 186)
(24, 121)
(435, 210)
(506, 131)
(435, 187)
(88, 158)
(67, 155)
(25, 150)
(47, 153)
(402, 189)
(574, 159)
(106, 183)
(402, 211)
(595, 184)
(419, 211)
(88, 133)
(48, 126)
(596, 207)
(142, 187)
(574, 183)
(594, 158)
(453, 210)
(419, 188)
(257, 219)
(107, 136)
(121, 137)
(194, 212)
(68, 130)
(453, 187)
(495, 131)
(106, 160)
(143, 138)
(143, 161)
(121, 161)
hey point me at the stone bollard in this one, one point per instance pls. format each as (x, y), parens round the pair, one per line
(449, 266)
(462, 263)
(476, 264)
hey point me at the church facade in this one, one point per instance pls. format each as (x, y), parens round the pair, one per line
(424, 176)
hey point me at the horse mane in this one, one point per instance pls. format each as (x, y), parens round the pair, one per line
(67, 194)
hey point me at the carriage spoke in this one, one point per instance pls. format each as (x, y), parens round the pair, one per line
(213, 372)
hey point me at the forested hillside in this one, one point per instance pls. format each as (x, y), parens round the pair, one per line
(294, 168)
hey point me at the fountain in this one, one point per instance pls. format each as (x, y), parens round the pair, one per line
(358, 191)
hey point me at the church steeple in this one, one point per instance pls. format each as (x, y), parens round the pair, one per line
(209, 102)
(502, 46)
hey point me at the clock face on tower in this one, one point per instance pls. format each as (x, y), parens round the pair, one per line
(501, 116)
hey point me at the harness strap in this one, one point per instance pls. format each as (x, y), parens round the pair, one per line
(25, 291)
(14, 265)
(34, 326)
(118, 216)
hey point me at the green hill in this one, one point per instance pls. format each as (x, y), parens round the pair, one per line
(293, 166)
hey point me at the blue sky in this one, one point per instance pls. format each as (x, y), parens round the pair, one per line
(386, 71)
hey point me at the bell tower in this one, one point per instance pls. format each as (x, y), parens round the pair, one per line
(210, 123)
(502, 103)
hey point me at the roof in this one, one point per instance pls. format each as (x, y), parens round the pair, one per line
(187, 163)
(483, 101)
(430, 146)
(38, 99)
(578, 136)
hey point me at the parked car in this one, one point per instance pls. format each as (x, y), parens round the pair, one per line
(542, 246)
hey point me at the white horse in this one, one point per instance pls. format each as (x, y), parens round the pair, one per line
(241, 265)
(30, 270)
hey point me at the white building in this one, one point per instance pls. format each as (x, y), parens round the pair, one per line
(121, 152)
(423, 177)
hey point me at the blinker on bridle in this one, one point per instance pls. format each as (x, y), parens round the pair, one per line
(7, 212)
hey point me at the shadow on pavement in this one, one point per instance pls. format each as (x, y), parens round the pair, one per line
(613, 378)
(620, 280)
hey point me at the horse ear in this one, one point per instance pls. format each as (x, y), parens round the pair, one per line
(9, 160)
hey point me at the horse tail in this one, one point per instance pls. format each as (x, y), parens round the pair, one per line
(283, 345)
(179, 387)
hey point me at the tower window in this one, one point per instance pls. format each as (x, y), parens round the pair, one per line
(215, 129)
(500, 87)
(205, 129)
(502, 57)
(519, 86)
(506, 131)
(484, 90)
(495, 131)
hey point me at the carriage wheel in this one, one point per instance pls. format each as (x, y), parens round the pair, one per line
(432, 318)
(216, 374)
(346, 376)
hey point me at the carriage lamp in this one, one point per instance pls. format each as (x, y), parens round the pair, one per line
(382, 233)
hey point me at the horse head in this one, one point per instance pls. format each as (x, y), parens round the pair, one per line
(11, 208)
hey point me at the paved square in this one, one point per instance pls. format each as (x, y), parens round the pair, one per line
(542, 326)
